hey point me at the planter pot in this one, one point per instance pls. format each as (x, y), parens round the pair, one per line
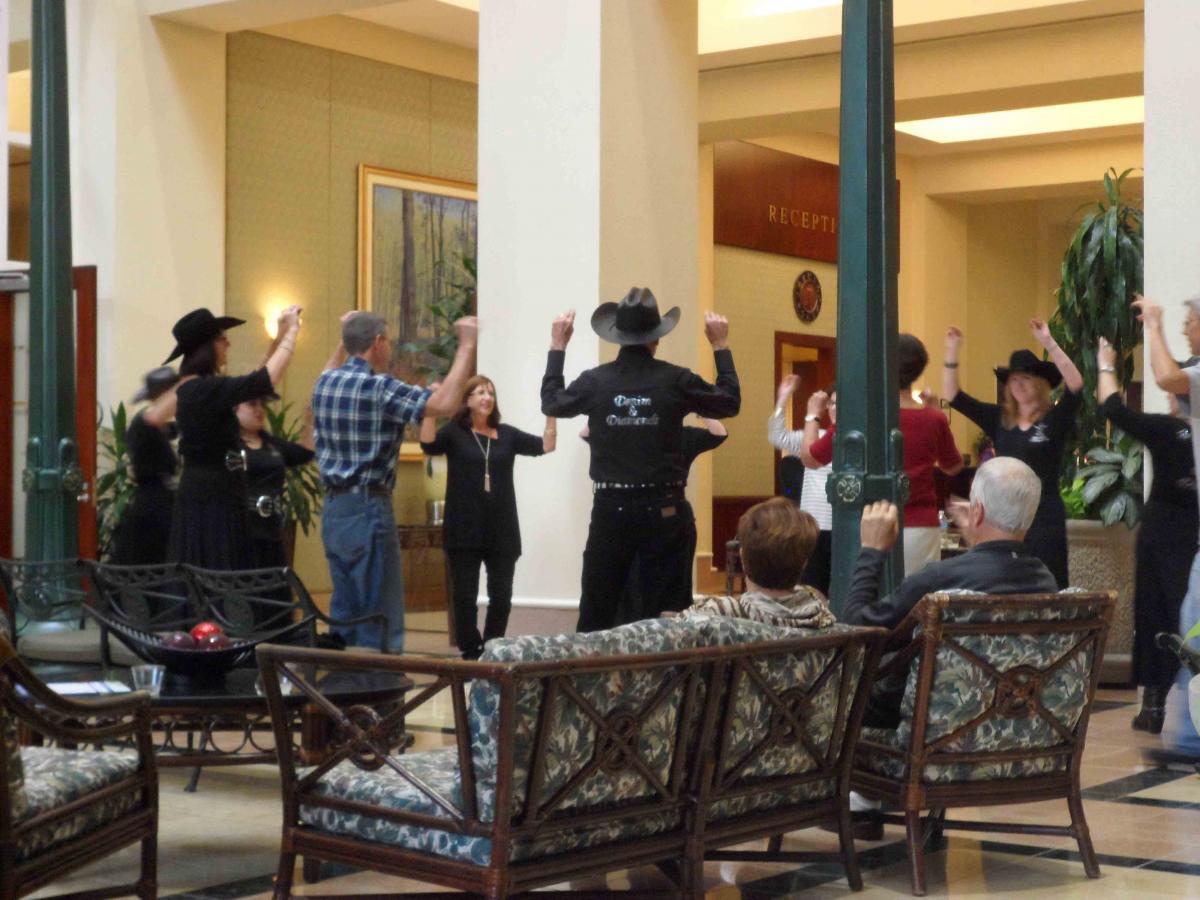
(1104, 559)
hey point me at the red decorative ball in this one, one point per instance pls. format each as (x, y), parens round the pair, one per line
(179, 640)
(214, 641)
(204, 629)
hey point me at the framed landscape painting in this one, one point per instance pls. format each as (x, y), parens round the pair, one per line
(417, 240)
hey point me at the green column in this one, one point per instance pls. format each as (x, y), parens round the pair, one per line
(868, 457)
(51, 478)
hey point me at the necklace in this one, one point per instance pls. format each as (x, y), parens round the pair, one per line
(487, 461)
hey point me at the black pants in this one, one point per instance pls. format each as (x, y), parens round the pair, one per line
(464, 576)
(633, 606)
(818, 569)
(1166, 544)
(658, 532)
(1047, 538)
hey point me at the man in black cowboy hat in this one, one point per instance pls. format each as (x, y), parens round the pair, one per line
(635, 407)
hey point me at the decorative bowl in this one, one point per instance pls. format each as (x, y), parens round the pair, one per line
(200, 665)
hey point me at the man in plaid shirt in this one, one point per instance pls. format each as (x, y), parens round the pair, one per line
(360, 411)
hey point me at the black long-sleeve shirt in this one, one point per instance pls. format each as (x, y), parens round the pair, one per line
(994, 567)
(1169, 440)
(635, 407)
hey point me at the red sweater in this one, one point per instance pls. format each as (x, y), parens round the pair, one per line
(927, 443)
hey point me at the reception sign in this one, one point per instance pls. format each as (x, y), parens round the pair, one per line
(775, 202)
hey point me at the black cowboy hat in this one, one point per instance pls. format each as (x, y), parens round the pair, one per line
(1026, 361)
(634, 320)
(157, 382)
(197, 328)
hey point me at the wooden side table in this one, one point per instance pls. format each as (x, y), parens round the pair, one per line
(427, 585)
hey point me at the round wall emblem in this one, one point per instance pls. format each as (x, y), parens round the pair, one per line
(806, 296)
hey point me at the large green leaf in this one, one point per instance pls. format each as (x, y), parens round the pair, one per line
(1104, 455)
(1094, 487)
(1114, 509)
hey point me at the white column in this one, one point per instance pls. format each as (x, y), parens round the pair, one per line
(147, 106)
(1172, 133)
(587, 186)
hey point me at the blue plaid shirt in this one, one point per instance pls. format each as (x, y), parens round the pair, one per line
(360, 418)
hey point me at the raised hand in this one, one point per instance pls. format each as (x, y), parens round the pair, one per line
(880, 525)
(561, 330)
(1041, 333)
(954, 337)
(787, 387)
(716, 329)
(1149, 312)
(466, 330)
(818, 402)
(289, 319)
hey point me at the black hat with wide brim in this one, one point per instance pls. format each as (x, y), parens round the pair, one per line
(634, 319)
(1026, 361)
(157, 382)
(197, 328)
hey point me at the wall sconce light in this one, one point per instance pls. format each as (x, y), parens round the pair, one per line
(275, 306)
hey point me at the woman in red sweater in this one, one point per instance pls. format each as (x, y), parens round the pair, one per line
(928, 444)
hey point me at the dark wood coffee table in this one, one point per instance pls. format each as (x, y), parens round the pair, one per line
(226, 723)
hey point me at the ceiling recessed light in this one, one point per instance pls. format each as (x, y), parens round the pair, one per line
(1031, 120)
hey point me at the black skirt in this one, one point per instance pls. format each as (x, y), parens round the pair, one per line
(140, 538)
(209, 528)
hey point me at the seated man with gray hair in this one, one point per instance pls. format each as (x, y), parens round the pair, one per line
(1004, 498)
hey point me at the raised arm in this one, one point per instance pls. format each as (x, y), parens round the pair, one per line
(447, 396)
(550, 435)
(1106, 365)
(289, 327)
(1167, 374)
(337, 359)
(818, 402)
(1070, 372)
(954, 339)
(558, 399)
(788, 442)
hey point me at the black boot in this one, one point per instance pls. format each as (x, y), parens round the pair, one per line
(1153, 710)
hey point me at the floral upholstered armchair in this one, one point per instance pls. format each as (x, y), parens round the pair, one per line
(995, 711)
(61, 809)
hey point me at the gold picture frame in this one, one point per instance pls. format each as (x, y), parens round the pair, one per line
(413, 234)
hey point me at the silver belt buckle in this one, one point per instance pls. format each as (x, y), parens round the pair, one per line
(265, 506)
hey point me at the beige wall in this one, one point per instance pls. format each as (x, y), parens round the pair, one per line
(300, 121)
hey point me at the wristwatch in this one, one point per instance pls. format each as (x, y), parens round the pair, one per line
(816, 419)
(1109, 369)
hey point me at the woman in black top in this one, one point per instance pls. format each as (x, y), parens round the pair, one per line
(140, 538)
(267, 460)
(481, 524)
(210, 524)
(1166, 541)
(1029, 426)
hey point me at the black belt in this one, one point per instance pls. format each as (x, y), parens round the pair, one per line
(369, 490)
(662, 487)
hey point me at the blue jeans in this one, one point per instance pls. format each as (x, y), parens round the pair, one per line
(363, 549)
(1179, 731)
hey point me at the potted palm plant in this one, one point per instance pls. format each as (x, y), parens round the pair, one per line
(1102, 482)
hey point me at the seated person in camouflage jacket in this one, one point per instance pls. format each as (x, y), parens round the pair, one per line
(1004, 498)
(776, 539)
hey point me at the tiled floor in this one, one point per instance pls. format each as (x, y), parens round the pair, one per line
(222, 841)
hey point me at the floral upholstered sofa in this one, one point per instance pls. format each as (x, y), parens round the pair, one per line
(995, 711)
(62, 808)
(576, 754)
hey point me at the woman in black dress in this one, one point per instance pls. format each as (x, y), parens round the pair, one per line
(210, 526)
(140, 538)
(1029, 426)
(1166, 541)
(267, 460)
(481, 524)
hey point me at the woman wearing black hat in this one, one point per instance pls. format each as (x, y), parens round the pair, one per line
(1031, 427)
(140, 538)
(210, 525)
